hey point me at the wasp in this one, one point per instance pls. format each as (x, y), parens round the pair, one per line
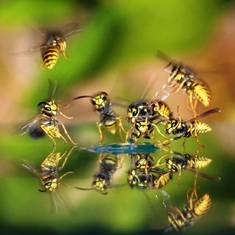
(181, 128)
(144, 175)
(179, 162)
(107, 117)
(108, 165)
(49, 170)
(144, 115)
(179, 219)
(182, 77)
(54, 44)
(48, 122)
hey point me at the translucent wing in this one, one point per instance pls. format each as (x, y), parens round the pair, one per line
(33, 129)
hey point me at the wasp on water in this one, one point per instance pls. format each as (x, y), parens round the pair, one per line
(181, 128)
(182, 77)
(144, 115)
(48, 122)
(107, 117)
(108, 165)
(196, 207)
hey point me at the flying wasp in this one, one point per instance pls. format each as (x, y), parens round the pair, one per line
(179, 219)
(108, 165)
(47, 121)
(182, 77)
(107, 117)
(54, 44)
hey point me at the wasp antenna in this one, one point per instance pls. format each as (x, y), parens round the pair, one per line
(42, 190)
(52, 88)
(206, 113)
(82, 96)
(163, 56)
(80, 188)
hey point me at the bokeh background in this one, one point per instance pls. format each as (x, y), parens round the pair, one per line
(116, 52)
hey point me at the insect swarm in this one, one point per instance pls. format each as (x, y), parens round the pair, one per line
(107, 117)
(48, 122)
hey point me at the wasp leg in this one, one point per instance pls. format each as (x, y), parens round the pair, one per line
(50, 136)
(67, 134)
(66, 156)
(198, 143)
(65, 116)
(159, 161)
(158, 130)
(101, 138)
(192, 105)
(180, 86)
(121, 129)
(65, 174)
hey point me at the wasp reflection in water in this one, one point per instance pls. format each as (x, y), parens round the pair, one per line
(49, 173)
(194, 208)
(108, 165)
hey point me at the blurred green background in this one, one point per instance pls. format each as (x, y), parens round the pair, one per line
(115, 51)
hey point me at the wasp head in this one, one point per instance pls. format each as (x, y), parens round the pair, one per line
(51, 185)
(100, 101)
(137, 110)
(138, 179)
(100, 184)
(49, 108)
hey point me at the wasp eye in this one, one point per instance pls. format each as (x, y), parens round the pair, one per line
(47, 108)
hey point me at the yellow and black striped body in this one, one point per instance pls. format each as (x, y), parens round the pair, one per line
(160, 110)
(108, 165)
(180, 128)
(138, 111)
(51, 49)
(49, 172)
(200, 206)
(144, 175)
(193, 210)
(107, 117)
(179, 162)
(177, 219)
(187, 80)
(142, 129)
(47, 122)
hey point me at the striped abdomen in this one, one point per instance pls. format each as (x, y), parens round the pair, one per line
(202, 205)
(50, 56)
(197, 128)
(199, 162)
(202, 93)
